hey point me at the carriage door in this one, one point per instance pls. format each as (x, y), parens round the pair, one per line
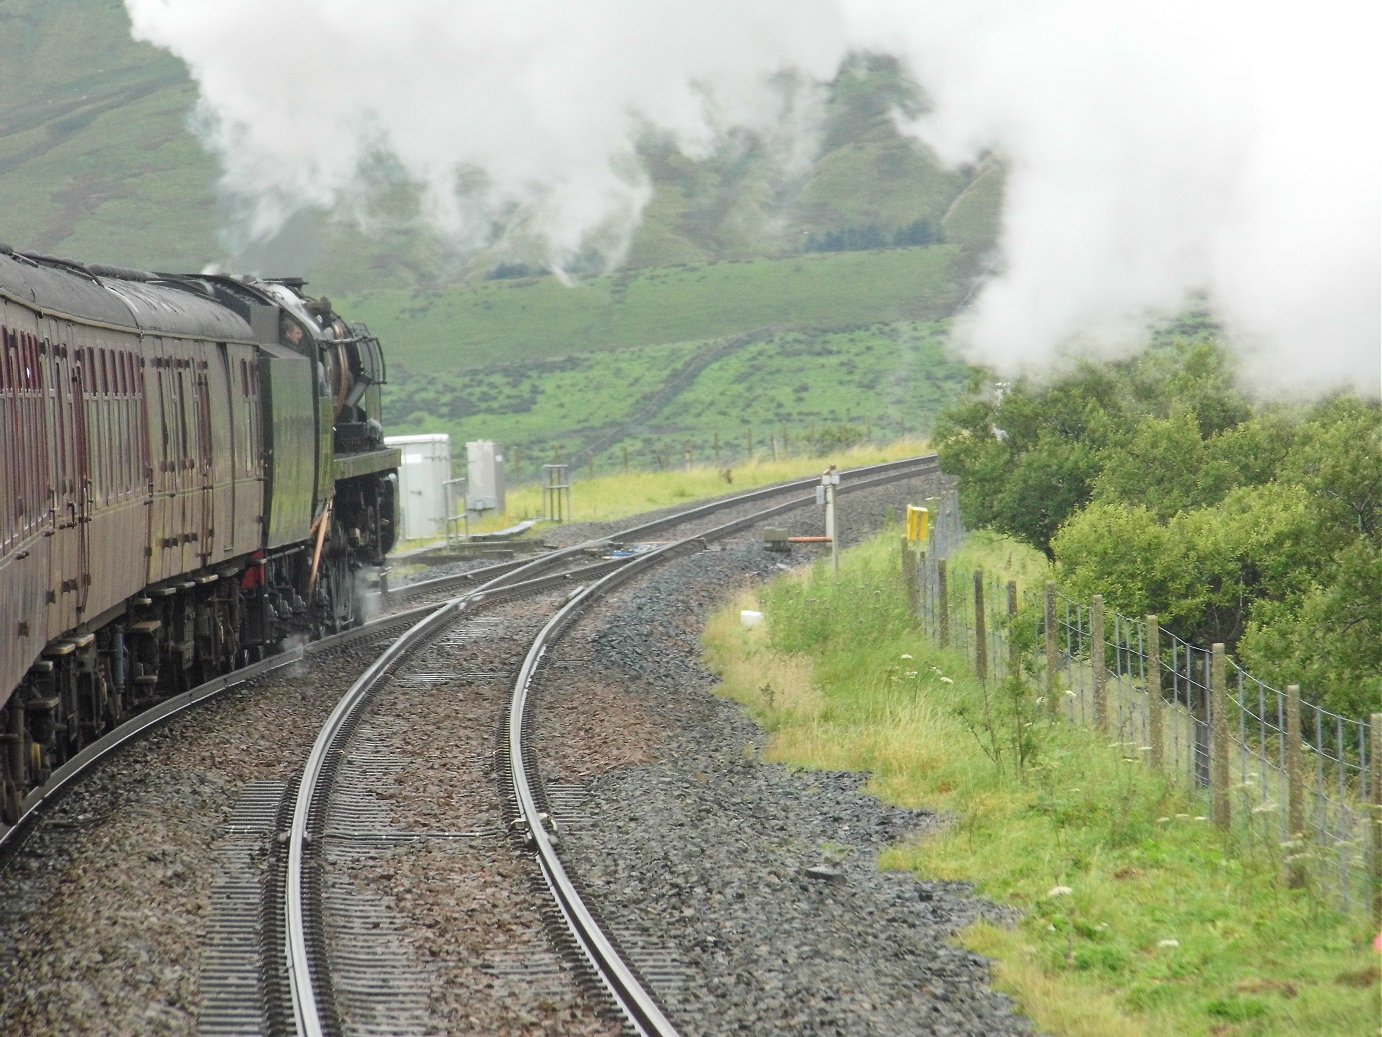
(206, 482)
(82, 384)
(71, 559)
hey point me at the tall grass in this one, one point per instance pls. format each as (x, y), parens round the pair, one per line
(1137, 916)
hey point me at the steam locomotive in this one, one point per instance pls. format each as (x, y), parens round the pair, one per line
(192, 471)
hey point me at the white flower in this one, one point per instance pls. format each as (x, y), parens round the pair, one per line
(1059, 891)
(947, 680)
(906, 655)
(1168, 943)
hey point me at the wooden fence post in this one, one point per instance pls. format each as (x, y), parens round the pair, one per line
(1096, 662)
(1375, 800)
(943, 600)
(1155, 721)
(909, 577)
(1052, 649)
(1295, 783)
(1218, 735)
(1014, 649)
(981, 648)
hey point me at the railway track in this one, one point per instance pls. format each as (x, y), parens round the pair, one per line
(260, 876)
(310, 958)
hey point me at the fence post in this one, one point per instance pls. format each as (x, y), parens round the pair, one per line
(943, 600)
(981, 648)
(909, 577)
(1295, 784)
(1014, 649)
(1052, 649)
(1218, 735)
(1096, 662)
(1375, 801)
(1155, 722)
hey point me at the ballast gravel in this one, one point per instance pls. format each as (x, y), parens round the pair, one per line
(754, 889)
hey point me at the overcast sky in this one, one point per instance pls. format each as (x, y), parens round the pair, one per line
(1153, 150)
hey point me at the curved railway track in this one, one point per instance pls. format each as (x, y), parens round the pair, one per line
(295, 989)
(307, 952)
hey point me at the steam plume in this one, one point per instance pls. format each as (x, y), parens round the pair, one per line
(1153, 150)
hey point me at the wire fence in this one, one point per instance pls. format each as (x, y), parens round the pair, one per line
(1303, 781)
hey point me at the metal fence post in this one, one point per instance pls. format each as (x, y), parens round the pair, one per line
(1155, 722)
(1218, 736)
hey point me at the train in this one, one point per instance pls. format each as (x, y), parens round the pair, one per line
(193, 473)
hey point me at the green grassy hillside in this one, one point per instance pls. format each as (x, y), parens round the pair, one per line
(723, 359)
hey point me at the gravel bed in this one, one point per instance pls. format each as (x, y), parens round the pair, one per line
(442, 928)
(761, 883)
(107, 937)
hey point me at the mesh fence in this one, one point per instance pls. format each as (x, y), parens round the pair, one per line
(1312, 799)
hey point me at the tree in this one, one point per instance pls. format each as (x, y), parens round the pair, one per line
(1028, 460)
(1204, 570)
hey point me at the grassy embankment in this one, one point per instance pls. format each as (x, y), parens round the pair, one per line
(1138, 916)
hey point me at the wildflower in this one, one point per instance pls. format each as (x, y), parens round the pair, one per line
(1168, 943)
(911, 675)
(1162, 820)
(1059, 891)
(906, 655)
(947, 680)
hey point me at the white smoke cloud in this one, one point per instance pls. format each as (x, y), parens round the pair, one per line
(1153, 150)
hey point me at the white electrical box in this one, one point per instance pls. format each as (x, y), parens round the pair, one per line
(422, 484)
(484, 488)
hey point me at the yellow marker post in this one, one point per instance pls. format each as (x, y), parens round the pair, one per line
(918, 524)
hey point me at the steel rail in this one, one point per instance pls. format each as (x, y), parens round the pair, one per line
(307, 808)
(638, 1003)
